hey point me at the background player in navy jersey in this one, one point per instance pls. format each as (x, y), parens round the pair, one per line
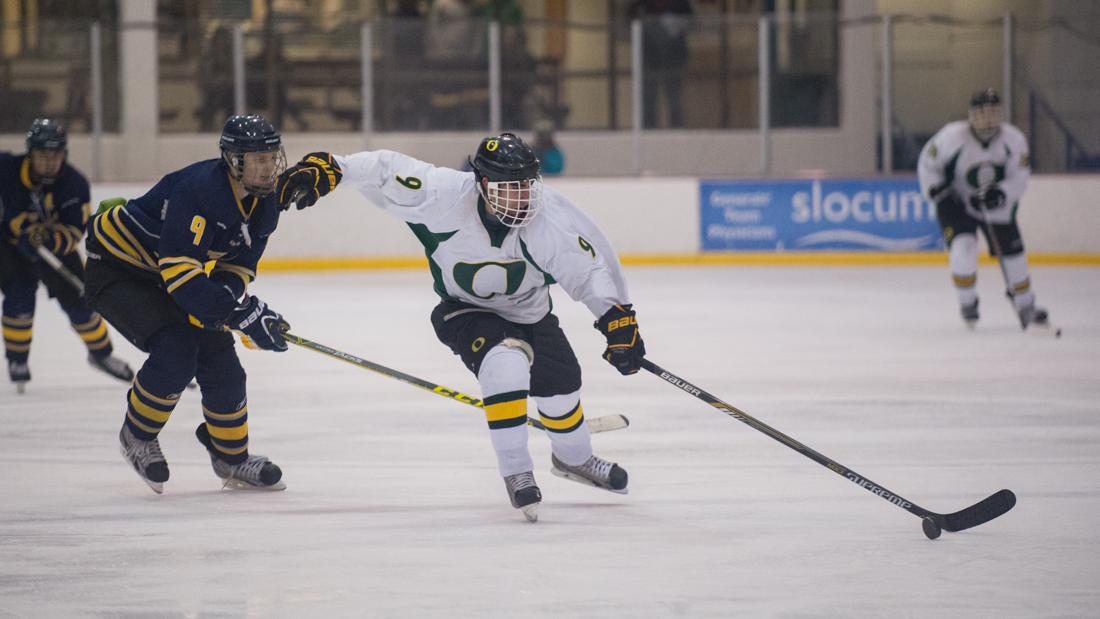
(44, 203)
(146, 276)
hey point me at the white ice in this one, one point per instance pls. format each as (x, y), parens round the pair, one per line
(394, 506)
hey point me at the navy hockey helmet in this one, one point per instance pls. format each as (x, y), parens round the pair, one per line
(46, 134)
(512, 187)
(985, 114)
(243, 135)
(47, 147)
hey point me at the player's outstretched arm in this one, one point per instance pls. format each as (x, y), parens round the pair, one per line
(308, 180)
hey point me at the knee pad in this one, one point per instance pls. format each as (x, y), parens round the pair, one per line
(504, 368)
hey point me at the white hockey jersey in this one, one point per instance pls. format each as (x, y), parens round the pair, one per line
(508, 272)
(954, 160)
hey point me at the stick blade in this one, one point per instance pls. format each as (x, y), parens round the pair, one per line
(981, 512)
(607, 423)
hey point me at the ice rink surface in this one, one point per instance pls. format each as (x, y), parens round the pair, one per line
(394, 507)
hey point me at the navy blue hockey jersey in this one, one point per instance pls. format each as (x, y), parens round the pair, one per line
(189, 218)
(62, 206)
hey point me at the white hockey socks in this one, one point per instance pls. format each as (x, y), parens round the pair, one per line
(563, 417)
(505, 378)
(1017, 281)
(964, 267)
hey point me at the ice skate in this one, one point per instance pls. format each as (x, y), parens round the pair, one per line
(524, 494)
(20, 374)
(970, 314)
(112, 366)
(1034, 315)
(1030, 314)
(146, 458)
(594, 472)
(255, 473)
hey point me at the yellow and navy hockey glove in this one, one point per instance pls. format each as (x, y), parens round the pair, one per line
(308, 180)
(625, 347)
(30, 237)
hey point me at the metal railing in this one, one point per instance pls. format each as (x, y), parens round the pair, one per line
(739, 73)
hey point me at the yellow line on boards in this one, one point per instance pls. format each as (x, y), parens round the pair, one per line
(702, 259)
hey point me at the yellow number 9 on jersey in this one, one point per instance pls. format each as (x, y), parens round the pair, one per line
(198, 224)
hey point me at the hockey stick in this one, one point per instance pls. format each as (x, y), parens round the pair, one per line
(996, 245)
(605, 423)
(983, 511)
(55, 263)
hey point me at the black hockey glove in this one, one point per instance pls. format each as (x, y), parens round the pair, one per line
(308, 180)
(625, 347)
(260, 324)
(990, 197)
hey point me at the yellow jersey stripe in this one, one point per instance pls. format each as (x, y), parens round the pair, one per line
(224, 416)
(116, 215)
(180, 259)
(11, 321)
(148, 396)
(137, 422)
(234, 268)
(84, 326)
(96, 334)
(103, 232)
(168, 273)
(97, 346)
(563, 424)
(148, 411)
(506, 410)
(183, 280)
(18, 335)
(228, 434)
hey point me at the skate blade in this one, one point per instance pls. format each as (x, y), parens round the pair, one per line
(236, 484)
(21, 388)
(971, 325)
(531, 512)
(585, 481)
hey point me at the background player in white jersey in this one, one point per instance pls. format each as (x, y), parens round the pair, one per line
(496, 239)
(975, 172)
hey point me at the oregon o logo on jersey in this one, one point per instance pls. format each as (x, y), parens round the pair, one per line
(478, 343)
(985, 174)
(484, 280)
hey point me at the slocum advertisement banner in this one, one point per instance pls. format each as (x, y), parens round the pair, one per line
(825, 214)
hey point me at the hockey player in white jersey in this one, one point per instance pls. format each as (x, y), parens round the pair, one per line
(975, 172)
(496, 239)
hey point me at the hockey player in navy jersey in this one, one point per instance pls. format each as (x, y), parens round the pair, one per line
(496, 239)
(44, 204)
(147, 275)
(975, 171)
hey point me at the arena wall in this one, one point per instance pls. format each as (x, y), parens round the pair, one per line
(649, 220)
